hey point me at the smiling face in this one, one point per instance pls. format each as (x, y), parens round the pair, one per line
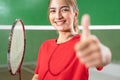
(61, 15)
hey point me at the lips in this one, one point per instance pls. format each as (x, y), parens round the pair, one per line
(59, 22)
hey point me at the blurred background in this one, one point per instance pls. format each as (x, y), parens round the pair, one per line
(34, 12)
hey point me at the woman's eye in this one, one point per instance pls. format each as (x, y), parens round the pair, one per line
(52, 11)
(65, 9)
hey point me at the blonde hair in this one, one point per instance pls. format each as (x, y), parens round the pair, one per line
(72, 3)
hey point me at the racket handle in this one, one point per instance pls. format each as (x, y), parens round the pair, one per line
(20, 75)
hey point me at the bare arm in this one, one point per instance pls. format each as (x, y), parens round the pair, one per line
(35, 77)
(106, 54)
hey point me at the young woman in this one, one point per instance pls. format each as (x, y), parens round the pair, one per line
(70, 55)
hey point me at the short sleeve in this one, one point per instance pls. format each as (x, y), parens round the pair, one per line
(99, 68)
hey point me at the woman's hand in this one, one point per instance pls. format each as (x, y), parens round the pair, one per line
(35, 77)
(89, 50)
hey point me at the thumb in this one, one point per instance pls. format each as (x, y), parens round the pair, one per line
(85, 22)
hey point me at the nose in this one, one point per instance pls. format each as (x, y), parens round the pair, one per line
(58, 15)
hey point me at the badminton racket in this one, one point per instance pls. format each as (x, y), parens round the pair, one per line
(16, 47)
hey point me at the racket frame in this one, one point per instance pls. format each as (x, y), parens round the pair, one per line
(9, 47)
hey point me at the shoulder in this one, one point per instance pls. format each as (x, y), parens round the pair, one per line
(48, 42)
(77, 37)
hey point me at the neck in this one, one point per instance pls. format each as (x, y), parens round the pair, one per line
(63, 37)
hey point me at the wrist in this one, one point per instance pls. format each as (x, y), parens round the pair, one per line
(106, 54)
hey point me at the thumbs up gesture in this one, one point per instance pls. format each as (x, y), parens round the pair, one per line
(89, 50)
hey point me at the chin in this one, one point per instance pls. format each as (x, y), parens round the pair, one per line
(59, 27)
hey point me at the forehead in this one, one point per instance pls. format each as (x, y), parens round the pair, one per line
(58, 3)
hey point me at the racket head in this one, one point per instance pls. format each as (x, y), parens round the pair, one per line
(16, 46)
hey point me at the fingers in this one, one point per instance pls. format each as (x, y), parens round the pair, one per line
(84, 44)
(88, 51)
(93, 63)
(88, 47)
(85, 22)
(90, 56)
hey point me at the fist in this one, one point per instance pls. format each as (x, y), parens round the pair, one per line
(88, 49)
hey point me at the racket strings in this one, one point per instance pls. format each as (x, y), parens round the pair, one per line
(17, 48)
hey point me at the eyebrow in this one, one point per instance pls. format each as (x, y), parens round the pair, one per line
(60, 7)
(64, 7)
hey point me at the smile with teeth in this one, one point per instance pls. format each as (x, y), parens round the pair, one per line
(60, 22)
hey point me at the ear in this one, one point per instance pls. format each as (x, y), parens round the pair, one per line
(76, 14)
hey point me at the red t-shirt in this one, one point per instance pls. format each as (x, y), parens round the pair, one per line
(59, 61)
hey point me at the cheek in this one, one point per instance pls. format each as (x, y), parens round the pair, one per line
(51, 18)
(70, 20)
(69, 17)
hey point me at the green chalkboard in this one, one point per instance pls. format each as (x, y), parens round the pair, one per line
(34, 12)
